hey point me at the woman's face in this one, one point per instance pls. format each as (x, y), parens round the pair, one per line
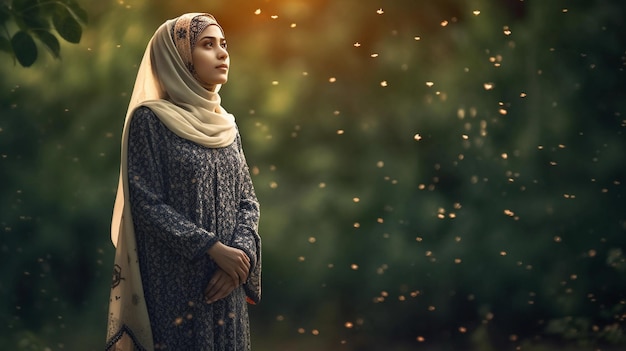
(210, 58)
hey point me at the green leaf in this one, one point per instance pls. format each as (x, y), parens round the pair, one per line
(50, 41)
(5, 45)
(28, 15)
(25, 9)
(77, 11)
(24, 48)
(5, 13)
(66, 25)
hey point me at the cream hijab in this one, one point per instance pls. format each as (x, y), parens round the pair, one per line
(166, 84)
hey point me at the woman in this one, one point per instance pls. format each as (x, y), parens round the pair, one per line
(188, 253)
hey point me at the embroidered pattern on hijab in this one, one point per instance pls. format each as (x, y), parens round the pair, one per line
(185, 34)
(167, 86)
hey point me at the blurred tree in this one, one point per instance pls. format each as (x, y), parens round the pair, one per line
(441, 175)
(35, 19)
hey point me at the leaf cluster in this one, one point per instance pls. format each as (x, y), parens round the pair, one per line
(23, 22)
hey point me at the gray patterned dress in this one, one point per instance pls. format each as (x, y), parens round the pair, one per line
(184, 197)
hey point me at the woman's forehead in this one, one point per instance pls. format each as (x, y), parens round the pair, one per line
(213, 31)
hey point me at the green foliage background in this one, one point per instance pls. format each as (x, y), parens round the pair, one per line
(433, 175)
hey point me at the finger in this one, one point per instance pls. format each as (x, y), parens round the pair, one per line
(243, 276)
(246, 260)
(212, 293)
(209, 288)
(221, 292)
(216, 280)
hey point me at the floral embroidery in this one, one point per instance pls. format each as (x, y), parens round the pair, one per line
(181, 33)
(117, 276)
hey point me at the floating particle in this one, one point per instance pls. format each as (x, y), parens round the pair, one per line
(476, 12)
(356, 199)
(502, 111)
(301, 259)
(275, 82)
(374, 55)
(558, 239)
(293, 25)
(257, 12)
(431, 308)
(564, 10)
(273, 185)
(348, 325)
(509, 213)
(301, 331)
(506, 30)
(429, 84)
(419, 239)
(340, 132)
(315, 332)
(503, 253)
(280, 318)
(380, 11)
(417, 38)
(354, 266)
(488, 86)
(504, 156)
(274, 16)
(522, 95)
(357, 44)
(420, 339)
(380, 164)
(462, 330)
(322, 185)
(383, 83)
(357, 225)
(457, 260)
(465, 136)
(444, 23)
(332, 79)
(417, 137)
(312, 240)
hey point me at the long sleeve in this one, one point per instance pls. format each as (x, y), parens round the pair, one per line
(246, 236)
(147, 190)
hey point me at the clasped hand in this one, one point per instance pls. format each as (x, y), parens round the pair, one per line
(234, 266)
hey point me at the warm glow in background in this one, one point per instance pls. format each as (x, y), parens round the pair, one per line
(433, 175)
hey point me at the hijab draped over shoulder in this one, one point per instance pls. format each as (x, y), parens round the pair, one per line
(166, 83)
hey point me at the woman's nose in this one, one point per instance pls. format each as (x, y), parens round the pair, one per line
(223, 54)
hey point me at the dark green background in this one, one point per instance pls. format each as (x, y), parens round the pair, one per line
(431, 178)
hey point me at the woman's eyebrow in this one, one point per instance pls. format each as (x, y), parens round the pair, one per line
(212, 38)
